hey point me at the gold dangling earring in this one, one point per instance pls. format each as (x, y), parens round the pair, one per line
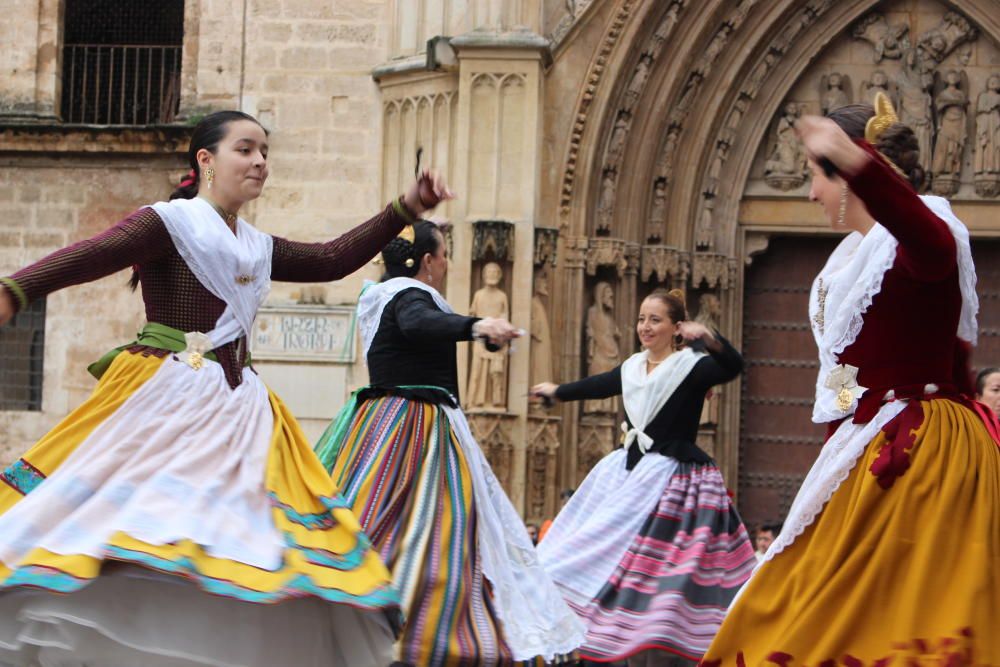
(209, 176)
(843, 207)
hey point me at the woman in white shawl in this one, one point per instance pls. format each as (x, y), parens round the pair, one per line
(650, 551)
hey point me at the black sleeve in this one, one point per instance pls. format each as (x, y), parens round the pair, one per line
(602, 385)
(719, 367)
(419, 317)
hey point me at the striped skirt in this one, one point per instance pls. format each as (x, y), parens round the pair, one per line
(667, 585)
(403, 470)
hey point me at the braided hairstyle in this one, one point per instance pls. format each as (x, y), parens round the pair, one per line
(898, 143)
(402, 258)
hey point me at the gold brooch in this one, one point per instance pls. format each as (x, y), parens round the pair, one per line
(843, 379)
(244, 279)
(198, 344)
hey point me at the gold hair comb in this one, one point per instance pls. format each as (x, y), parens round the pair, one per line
(884, 118)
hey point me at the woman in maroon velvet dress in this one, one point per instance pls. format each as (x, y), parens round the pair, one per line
(180, 503)
(889, 553)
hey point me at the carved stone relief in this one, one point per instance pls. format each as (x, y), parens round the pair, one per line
(712, 270)
(879, 82)
(987, 148)
(835, 92)
(658, 214)
(606, 203)
(546, 242)
(950, 104)
(493, 239)
(487, 389)
(542, 473)
(494, 434)
(542, 360)
(606, 252)
(603, 343)
(786, 168)
(664, 264)
(915, 103)
(888, 41)
(596, 440)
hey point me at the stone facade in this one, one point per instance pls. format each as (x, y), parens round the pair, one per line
(586, 146)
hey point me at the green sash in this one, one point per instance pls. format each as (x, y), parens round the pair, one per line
(155, 335)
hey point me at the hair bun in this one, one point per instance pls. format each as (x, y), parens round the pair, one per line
(899, 144)
(679, 295)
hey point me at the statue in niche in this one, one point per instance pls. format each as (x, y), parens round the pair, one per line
(606, 203)
(987, 157)
(834, 92)
(785, 169)
(703, 232)
(616, 146)
(542, 366)
(638, 82)
(603, 336)
(709, 314)
(937, 43)
(664, 29)
(658, 213)
(915, 103)
(951, 105)
(878, 83)
(488, 373)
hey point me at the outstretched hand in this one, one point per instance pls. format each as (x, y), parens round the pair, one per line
(7, 309)
(496, 330)
(427, 191)
(545, 391)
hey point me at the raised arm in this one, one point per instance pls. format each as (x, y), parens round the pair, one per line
(293, 261)
(926, 245)
(139, 238)
(723, 364)
(419, 318)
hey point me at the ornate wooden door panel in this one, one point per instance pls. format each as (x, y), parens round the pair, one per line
(778, 441)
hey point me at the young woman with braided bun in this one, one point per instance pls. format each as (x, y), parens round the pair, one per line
(649, 551)
(888, 554)
(405, 459)
(180, 503)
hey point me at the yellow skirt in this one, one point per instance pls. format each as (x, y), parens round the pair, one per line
(901, 576)
(323, 553)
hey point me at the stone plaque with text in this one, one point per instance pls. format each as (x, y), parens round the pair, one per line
(304, 333)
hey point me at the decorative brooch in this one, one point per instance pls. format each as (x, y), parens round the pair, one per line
(843, 379)
(244, 279)
(198, 345)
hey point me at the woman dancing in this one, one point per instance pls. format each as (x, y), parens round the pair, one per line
(180, 503)
(889, 551)
(649, 551)
(402, 453)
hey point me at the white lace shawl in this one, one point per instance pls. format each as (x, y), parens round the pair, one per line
(852, 278)
(236, 268)
(643, 395)
(376, 296)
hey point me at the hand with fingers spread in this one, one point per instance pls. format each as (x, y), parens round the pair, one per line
(427, 191)
(7, 308)
(823, 138)
(496, 330)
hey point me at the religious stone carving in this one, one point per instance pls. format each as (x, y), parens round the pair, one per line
(878, 83)
(542, 367)
(638, 82)
(616, 146)
(786, 168)
(987, 149)
(888, 41)
(665, 28)
(665, 264)
(603, 338)
(493, 432)
(703, 232)
(596, 439)
(712, 270)
(542, 463)
(938, 42)
(658, 213)
(488, 372)
(915, 103)
(546, 242)
(606, 203)
(835, 91)
(492, 239)
(950, 105)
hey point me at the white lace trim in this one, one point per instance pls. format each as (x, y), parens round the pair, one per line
(853, 277)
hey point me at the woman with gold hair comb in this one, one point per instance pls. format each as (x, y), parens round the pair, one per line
(888, 555)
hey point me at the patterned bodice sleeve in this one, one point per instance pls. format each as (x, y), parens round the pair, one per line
(139, 238)
(322, 262)
(926, 245)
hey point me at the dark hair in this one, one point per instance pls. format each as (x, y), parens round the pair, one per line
(675, 302)
(427, 238)
(207, 134)
(773, 528)
(898, 143)
(981, 378)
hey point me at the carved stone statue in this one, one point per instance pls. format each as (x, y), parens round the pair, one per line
(950, 104)
(987, 157)
(888, 41)
(603, 336)
(834, 94)
(488, 374)
(938, 42)
(785, 169)
(606, 203)
(637, 83)
(616, 146)
(542, 366)
(915, 104)
(709, 314)
(658, 213)
(879, 83)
